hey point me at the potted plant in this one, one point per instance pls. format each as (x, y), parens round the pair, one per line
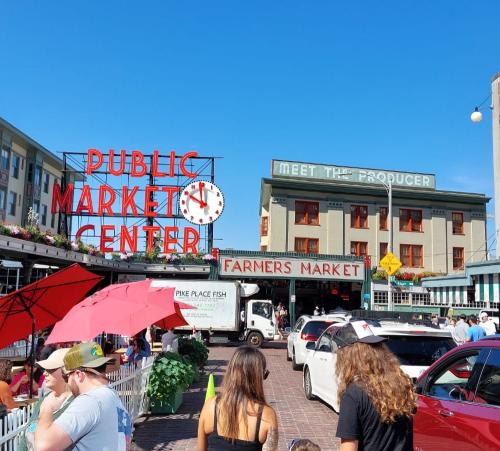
(195, 352)
(169, 377)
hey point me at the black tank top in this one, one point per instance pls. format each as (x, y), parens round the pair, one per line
(217, 442)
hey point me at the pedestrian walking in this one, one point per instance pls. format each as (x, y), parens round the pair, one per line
(461, 329)
(475, 331)
(241, 418)
(377, 399)
(487, 324)
(96, 420)
(58, 389)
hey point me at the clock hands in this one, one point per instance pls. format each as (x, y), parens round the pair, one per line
(199, 201)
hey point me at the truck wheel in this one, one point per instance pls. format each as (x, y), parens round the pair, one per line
(255, 339)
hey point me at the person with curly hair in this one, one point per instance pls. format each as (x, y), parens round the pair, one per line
(377, 399)
(5, 392)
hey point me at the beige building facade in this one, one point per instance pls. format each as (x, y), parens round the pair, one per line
(325, 209)
(28, 172)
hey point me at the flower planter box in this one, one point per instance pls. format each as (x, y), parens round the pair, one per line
(165, 407)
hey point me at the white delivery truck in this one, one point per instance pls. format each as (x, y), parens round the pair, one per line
(221, 312)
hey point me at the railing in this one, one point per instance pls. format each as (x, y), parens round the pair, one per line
(18, 349)
(130, 384)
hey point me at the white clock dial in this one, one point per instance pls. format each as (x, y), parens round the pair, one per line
(201, 202)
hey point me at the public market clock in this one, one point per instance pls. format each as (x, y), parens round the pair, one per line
(201, 202)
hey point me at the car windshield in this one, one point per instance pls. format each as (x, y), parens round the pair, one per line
(316, 327)
(418, 350)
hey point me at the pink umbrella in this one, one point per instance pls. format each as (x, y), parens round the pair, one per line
(123, 309)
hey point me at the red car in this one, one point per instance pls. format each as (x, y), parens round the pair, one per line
(458, 400)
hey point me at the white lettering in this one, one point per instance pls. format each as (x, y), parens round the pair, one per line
(328, 170)
(371, 177)
(303, 170)
(362, 175)
(418, 180)
(295, 169)
(390, 177)
(284, 169)
(409, 179)
(426, 180)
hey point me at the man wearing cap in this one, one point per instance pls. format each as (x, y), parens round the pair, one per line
(487, 324)
(96, 420)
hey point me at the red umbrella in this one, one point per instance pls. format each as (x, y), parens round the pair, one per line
(123, 309)
(43, 303)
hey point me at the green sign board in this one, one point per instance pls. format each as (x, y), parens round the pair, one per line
(403, 283)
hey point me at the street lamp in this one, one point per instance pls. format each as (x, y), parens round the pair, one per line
(388, 188)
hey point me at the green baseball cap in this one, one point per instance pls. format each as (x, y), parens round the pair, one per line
(85, 355)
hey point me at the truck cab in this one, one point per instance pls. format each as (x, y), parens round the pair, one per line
(259, 322)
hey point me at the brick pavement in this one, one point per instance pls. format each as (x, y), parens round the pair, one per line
(297, 417)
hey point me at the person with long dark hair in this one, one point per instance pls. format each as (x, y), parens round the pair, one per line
(241, 418)
(377, 399)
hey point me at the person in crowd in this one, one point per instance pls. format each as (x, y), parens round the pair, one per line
(240, 418)
(303, 445)
(20, 384)
(167, 340)
(46, 351)
(96, 419)
(138, 352)
(40, 344)
(461, 329)
(57, 388)
(435, 321)
(108, 347)
(377, 399)
(5, 393)
(487, 324)
(146, 344)
(316, 311)
(475, 332)
(130, 348)
(451, 327)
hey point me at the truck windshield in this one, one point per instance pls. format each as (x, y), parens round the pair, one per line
(263, 309)
(418, 350)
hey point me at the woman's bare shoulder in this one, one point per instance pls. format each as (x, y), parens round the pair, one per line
(269, 416)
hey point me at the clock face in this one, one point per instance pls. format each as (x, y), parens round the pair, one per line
(201, 202)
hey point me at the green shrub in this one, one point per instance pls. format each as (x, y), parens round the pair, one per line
(170, 371)
(193, 350)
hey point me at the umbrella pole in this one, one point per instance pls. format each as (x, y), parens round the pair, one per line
(32, 356)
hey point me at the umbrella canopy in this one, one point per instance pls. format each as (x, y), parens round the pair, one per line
(42, 303)
(123, 309)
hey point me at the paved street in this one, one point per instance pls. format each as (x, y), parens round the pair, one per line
(297, 417)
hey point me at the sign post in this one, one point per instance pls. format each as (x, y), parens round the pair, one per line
(390, 263)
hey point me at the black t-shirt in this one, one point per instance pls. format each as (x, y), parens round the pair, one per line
(359, 420)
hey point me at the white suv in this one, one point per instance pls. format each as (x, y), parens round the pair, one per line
(307, 329)
(416, 347)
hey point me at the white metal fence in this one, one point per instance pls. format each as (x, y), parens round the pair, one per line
(130, 383)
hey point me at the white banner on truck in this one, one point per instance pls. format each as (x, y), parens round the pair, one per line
(216, 303)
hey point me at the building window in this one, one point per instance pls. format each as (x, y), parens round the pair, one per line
(36, 206)
(3, 195)
(262, 248)
(410, 220)
(46, 180)
(53, 221)
(412, 255)
(264, 225)
(44, 214)
(401, 298)
(458, 223)
(458, 258)
(383, 250)
(380, 297)
(306, 213)
(14, 168)
(383, 218)
(358, 248)
(307, 245)
(359, 216)
(30, 172)
(38, 176)
(4, 161)
(12, 203)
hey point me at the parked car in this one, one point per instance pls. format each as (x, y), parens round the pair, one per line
(307, 328)
(416, 347)
(458, 399)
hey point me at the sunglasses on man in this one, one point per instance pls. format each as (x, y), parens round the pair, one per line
(67, 374)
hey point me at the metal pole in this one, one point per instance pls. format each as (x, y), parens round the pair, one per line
(495, 116)
(389, 214)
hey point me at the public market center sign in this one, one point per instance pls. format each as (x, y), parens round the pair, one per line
(290, 268)
(324, 172)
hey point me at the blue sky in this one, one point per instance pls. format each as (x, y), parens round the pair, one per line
(372, 84)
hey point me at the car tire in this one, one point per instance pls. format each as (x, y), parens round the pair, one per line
(308, 385)
(255, 339)
(288, 358)
(296, 366)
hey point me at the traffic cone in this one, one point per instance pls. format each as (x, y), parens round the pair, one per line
(210, 387)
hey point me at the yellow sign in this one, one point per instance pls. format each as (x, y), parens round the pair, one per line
(390, 263)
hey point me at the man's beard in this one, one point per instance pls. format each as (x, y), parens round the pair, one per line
(74, 388)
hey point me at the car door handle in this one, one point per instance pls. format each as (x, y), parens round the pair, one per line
(323, 360)
(445, 413)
